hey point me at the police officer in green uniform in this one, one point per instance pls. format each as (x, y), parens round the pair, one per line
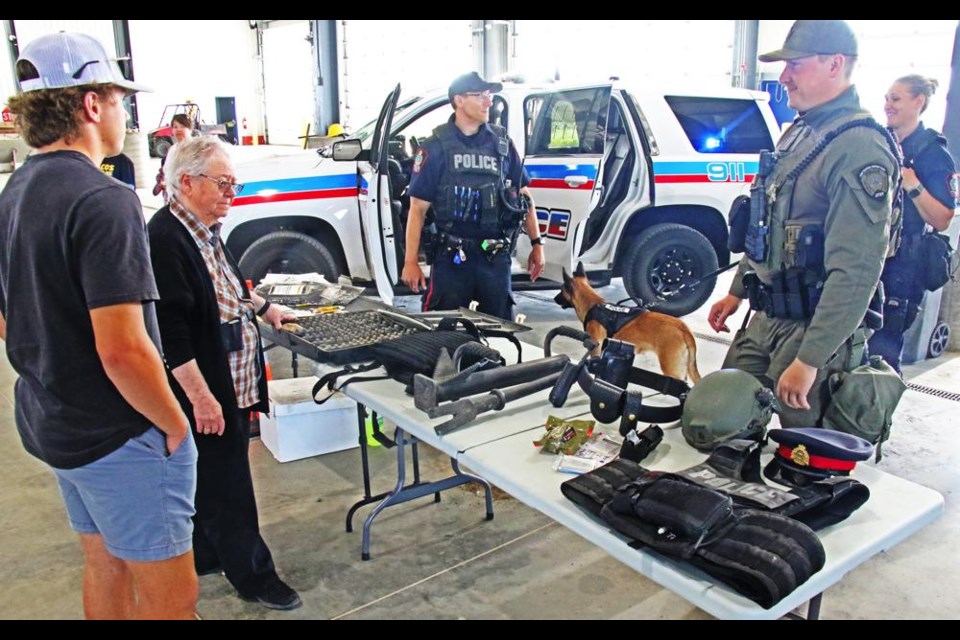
(818, 228)
(471, 175)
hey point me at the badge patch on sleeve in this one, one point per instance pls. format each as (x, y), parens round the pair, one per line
(419, 160)
(953, 184)
(875, 181)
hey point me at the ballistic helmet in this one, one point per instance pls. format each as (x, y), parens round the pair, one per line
(728, 404)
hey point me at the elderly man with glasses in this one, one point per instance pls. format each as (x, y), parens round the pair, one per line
(211, 345)
(470, 177)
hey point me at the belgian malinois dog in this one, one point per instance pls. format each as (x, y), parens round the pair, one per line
(670, 338)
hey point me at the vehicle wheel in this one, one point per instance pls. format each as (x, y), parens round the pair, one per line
(287, 252)
(661, 260)
(939, 339)
(162, 146)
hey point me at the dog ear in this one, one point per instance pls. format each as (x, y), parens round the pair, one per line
(566, 276)
(580, 271)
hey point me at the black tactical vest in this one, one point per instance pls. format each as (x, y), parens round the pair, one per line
(468, 201)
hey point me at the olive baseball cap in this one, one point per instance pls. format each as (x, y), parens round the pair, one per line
(60, 60)
(815, 37)
(472, 82)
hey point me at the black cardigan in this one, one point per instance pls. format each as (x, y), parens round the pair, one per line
(189, 316)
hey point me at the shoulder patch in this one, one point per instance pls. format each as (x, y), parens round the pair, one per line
(875, 181)
(953, 185)
(419, 160)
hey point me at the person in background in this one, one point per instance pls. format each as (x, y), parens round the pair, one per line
(181, 127)
(77, 297)
(930, 187)
(211, 345)
(120, 167)
(813, 258)
(470, 173)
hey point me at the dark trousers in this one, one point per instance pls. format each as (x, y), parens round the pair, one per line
(226, 528)
(477, 278)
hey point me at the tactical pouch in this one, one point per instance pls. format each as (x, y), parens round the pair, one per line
(937, 260)
(862, 401)
(669, 513)
(895, 312)
(231, 335)
(739, 221)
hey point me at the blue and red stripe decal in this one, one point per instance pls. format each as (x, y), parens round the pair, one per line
(550, 176)
(704, 172)
(304, 188)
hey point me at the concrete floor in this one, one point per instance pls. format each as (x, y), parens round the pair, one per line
(444, 561)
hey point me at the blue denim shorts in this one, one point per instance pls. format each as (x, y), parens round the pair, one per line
(139, 499)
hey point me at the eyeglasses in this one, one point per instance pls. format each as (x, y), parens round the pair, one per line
(483, 95)
(225, 187)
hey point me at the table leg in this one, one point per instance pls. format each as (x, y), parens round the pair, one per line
(402, 494)
(486, 486)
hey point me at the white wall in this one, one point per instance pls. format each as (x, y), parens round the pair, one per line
(195, 60)
(674, 52)
(419, 54)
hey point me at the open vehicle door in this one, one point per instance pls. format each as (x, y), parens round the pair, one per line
(377, 214)
(565, 140)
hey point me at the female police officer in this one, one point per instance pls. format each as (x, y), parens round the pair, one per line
(471, 174)
(930, 184)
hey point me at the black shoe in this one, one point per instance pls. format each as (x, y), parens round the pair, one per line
(277, 595)
(212, 571)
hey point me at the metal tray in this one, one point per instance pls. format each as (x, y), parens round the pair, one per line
(343, 338)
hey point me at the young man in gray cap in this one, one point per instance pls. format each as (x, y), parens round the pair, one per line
(471, 174)
(76, 311)
(819, 228)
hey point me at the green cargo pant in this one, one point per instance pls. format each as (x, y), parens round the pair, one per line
(767, 346)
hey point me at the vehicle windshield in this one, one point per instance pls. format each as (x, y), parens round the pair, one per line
(366, 131)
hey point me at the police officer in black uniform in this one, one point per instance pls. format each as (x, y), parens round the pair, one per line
(471, 174)
(930, 184)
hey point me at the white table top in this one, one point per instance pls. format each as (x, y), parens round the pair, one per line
(498, 446)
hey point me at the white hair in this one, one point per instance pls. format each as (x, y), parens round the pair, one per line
(190, 158)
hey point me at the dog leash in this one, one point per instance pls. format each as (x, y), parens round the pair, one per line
(663, 298)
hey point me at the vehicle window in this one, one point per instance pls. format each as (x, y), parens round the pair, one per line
(722, 125)
(416, 131)
(567, 122)
(366, 130)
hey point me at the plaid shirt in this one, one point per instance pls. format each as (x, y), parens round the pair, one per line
(244, 364)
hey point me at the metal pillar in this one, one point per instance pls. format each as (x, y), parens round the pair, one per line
(491, 46)
(950, 302)
(121, 39)
(744, 73)
(11, 33)
(326, 79)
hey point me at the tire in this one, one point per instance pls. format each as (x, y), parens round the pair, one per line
(287, 252)
(938, 340)
(661, 260)
(162, 146)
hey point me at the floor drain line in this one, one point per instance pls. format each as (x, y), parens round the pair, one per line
(930, 391)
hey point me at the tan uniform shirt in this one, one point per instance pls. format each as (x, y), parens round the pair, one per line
(848, 190)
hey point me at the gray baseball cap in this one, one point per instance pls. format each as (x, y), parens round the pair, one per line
(60, 60)
(815, 37)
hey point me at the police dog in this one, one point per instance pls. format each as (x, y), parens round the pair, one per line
(670, 338)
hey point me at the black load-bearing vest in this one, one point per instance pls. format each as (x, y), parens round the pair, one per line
(468, 201)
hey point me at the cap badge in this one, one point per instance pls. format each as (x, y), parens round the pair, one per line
(799, 455)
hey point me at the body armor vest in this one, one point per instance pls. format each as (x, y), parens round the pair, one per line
(468, 196)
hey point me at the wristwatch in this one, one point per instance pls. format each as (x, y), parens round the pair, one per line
(916, 191)
(262, 311)
(536, 241)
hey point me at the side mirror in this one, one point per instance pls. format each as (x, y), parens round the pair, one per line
(347, 150)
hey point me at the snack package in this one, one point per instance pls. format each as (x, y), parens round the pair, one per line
(564, 436)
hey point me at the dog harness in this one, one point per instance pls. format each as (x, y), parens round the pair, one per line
(612, 317)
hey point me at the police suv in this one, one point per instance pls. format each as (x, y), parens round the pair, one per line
(631, 184)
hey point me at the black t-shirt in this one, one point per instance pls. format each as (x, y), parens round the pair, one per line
(71, 240)
(121, 168)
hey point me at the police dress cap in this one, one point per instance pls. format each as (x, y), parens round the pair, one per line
(472, 82)
(808, 454)
(815, 37)
(60, 60)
